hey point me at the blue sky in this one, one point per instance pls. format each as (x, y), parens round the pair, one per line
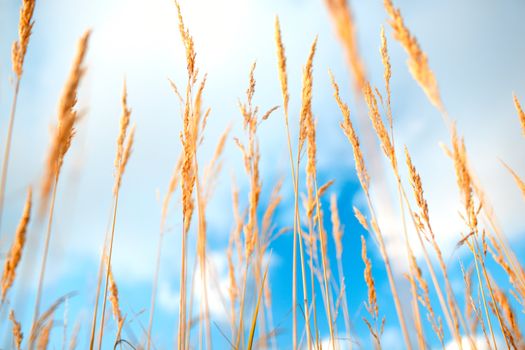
(474, 49)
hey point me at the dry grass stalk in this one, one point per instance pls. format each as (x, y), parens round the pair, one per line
(307, 132)
(124, 146)
(15, 252)
(423, 226)
(517, 179)
(490, 216)
(521, 114)
(349, 131)
(193, 122)
(466, 184)
(417, 59)
(188, 136)
(342, 17)
(266, 237)
(17, 330)
(174, 182)
(254, 240)
(388, 146)
(297, 236)
(60, 143)
(204, 190)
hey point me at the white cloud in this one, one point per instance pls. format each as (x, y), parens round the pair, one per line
(479, 342)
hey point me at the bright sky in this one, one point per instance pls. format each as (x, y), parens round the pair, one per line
(475, 49)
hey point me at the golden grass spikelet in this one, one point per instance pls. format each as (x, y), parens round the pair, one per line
(417, 187)
(15, 253)
(126, 153)
(387, 75)
(305, 115)
(67, 118)
(43, 337)
(322, 190)
(369, 279)
(341, 14)
(379, 126)
(417, 59)
(187, 40)
(17, 330)
(361, 218)
(25, 27)
(281, 62)
(308, 122)
(124, 123)
(349, 131)
(463, 177)
(113, 297)
(187, 183)
(521, 114)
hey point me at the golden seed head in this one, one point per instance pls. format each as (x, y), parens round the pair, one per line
(15, 252)
(25, 27)
(417, 59)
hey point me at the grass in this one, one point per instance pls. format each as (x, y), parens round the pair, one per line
(316, 287)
